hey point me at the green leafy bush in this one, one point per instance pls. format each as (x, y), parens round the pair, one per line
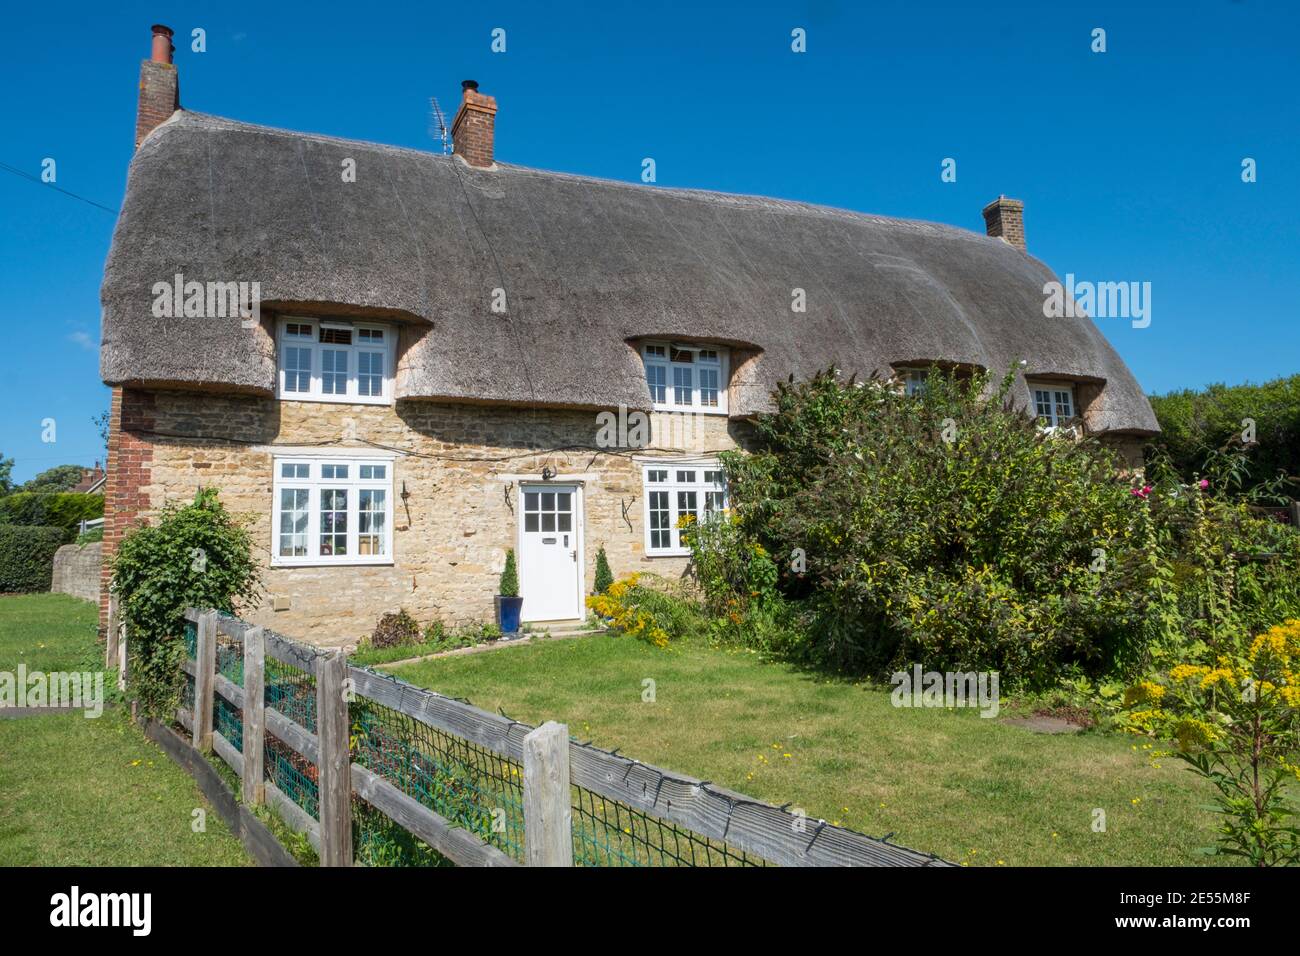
(65, 509)
(27, 557)
(196, 555)
(604, 576)
(872, 529)
(1196, 422)
(395, 629)
(509, 576)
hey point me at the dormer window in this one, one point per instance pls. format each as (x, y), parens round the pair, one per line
(686, 377)
(336, 361)
(913, 380)
(1053, 403)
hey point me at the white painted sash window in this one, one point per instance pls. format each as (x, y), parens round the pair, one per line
(333, 361)
(332, 512)
(1053, 404)
(686, 377)
(674, 490)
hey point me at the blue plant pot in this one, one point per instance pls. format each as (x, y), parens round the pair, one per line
(509, 610)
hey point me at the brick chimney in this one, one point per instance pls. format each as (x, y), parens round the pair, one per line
(1005, 219)
(472, 131)
(160, 94)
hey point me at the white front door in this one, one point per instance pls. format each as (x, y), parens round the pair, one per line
(550, 552)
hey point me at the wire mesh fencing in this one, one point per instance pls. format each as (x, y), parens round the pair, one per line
(442, 766)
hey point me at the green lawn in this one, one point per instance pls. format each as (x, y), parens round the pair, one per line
(970, 789)
(79, 792)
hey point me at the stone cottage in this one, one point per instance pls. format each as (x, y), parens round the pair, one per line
(402, 364)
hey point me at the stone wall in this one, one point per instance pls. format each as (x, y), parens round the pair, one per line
(456, 493)
(76, 571)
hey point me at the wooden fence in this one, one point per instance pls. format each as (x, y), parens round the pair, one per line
(627, 812)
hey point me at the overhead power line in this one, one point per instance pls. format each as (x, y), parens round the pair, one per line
(36, 179)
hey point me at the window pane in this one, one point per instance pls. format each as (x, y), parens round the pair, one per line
(686, 477)
(335, 472)
(657, 474)
(548, 501)
(297, 369)
(562, 501)
(530, 501)
(370, 373)
(659, 523)
(530, 522)
(336, 336)
(372, 521)
(334, 371)
(1043, 403)
(548, 521)
(681, 386)
(293, 523)
(709, 387)
(1064, 405)
(655, 378)
(564, 521)
(333, 522)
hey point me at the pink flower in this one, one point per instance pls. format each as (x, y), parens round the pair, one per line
(1143, 492)
(1203, 483)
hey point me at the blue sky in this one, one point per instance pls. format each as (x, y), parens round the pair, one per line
(1129, 162)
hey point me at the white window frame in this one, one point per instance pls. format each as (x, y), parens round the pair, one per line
(671, 485)
(1053, 391)
(661, 355)
(353, 351)
(314, 484)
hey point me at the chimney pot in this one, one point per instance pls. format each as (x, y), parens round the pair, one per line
(1005, 219)
(469, 85)
(162, 44)
(160, 94)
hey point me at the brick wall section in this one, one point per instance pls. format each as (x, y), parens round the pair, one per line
(1005, 218)
(159, 97)
(473, 129)
(127, 495)
(451, 534)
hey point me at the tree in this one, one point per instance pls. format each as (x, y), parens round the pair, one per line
(58, 478)
(101, 423)
(6, 475)
(1265, 419)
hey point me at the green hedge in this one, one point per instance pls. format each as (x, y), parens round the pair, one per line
(63, 509)
(27, 557)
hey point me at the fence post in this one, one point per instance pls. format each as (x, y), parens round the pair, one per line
(254, 715)
(1295, 514)
(122, 657)
(205, 667)
(110, 635)
(333, 729)
(548, 808)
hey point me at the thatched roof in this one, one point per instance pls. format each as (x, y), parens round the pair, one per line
(587, 265)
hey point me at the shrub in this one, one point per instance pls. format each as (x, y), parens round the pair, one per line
(647, 608)
(604, 576)
(871, 529)
(52, 509)
(1237, 724)
(509, 576)
(395, 629)
(1195, 423)
(27, 557)
(197, 555)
